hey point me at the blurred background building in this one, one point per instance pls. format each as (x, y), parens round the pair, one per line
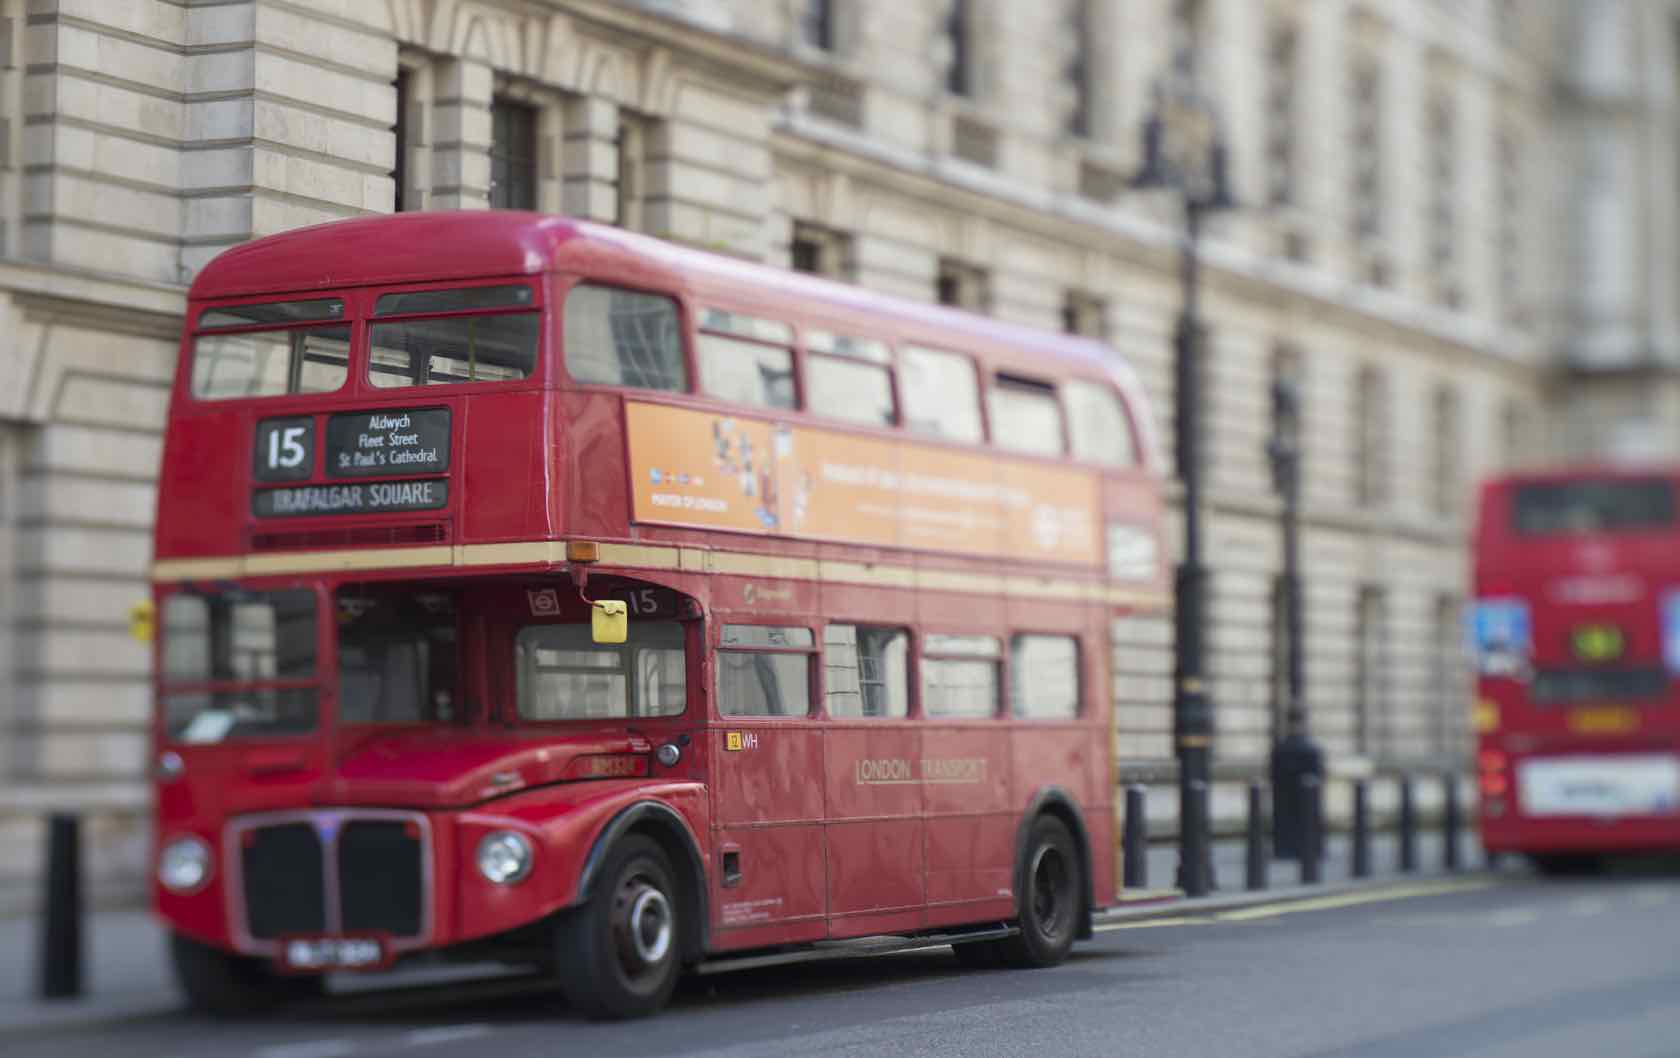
(1460, 232)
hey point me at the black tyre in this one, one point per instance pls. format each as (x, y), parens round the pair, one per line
(979, 954)
(1051, 890)
(226, 985)
(619, 955)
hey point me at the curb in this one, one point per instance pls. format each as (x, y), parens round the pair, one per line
(1171, 904)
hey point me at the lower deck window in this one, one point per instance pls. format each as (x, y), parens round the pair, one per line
(1045, 673)
(772, 680)
(564, 675)
(960, 676)
(865, 671)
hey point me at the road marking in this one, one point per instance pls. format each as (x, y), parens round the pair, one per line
(1514, 916)
(1588, 905)
(1652, 897)
(444, 1034)
(1380, 896)
(307, 1049)
(1153, 923)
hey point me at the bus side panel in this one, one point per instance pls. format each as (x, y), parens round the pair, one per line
(503, 478)
(767, 812)
(971, 821)
(592, 500)
(203, 485)
(875, 844)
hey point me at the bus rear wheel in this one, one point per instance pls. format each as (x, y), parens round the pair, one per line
(1051, 884)
(619, 955)
(225, 985)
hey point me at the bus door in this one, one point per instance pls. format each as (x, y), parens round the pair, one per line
(769, 866)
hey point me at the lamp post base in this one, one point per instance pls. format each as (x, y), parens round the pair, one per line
(1294, 757)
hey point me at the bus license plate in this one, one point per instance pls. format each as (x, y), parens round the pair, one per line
(320, 954)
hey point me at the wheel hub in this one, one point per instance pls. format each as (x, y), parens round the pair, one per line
(644, 926)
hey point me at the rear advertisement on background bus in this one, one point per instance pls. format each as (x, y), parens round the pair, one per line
(701, 469)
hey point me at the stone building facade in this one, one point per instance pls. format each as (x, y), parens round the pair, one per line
(1410, 174)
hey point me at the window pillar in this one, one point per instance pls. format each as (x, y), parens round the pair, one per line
(461, 135)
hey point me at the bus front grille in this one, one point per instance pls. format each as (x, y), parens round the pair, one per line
(379, 877)
(330, 872)
(282, 871)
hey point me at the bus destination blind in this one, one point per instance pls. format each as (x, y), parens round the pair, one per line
(387, 442)
(374, 497)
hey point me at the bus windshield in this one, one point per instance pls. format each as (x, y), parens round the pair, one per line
(238, 664)
(1557, 508)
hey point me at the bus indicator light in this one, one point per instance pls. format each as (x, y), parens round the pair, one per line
(583, 551)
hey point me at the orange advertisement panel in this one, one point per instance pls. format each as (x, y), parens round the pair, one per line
(702, 469)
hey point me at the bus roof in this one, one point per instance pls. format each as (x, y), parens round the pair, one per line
(467, 244)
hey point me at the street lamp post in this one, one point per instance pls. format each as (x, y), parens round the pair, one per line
(1294, 754)
(1184, 153)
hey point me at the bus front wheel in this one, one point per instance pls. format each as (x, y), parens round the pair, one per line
(619, 953)
(225, 985)
(1051, 884)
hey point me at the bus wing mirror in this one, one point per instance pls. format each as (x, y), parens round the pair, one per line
(609, 620)
(142, 621)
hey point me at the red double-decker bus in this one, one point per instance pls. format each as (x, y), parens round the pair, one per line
(1576, 629)
(531, 590)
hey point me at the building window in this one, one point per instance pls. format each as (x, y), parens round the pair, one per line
(964, 286)
(1080, 68)
(821, 251)
(816, 24)
(1370, 441)
(959, 75)
(1085, 314)
(399, 172)
(1280, 114)
(1370, 670)
(1443, 190)
(1448, 430)
(513, 155)
(1508, 159)
(1365, 136)
(631, 187)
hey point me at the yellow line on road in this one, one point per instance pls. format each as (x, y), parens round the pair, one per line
(1379, 896)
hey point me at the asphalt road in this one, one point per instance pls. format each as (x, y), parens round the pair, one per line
(1488, 968)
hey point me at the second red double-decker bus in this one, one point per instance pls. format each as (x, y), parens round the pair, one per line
(532, 590)
(1576, 627)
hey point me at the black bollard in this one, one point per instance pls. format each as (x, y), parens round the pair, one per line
(1256, 836)
(1194, 873)
(1361, 828)
(1408, 826)
(1312, 831)
(1134, 840)
(1450, 823)
(61, 903)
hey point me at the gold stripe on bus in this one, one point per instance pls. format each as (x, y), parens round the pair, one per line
(648, 556)
(515, 554)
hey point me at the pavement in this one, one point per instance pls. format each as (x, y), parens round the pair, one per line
(128, 976)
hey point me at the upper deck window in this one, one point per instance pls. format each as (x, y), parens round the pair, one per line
(1025, 417)
(1555, 508)
(265, 363)
(499, 347)
(747, 372)
(1098, 426)
(941, 396)
(849, 378)
(620, 337)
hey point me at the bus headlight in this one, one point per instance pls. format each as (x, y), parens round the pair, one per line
(504, 857)
(184, 865)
